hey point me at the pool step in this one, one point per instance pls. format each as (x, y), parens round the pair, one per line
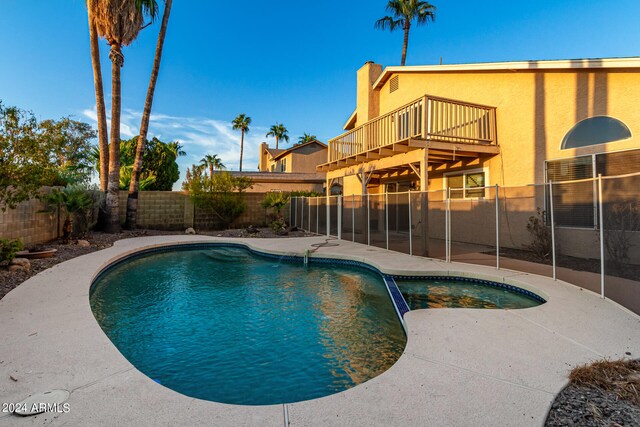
(399, 303)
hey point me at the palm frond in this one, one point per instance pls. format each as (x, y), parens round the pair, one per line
(389, 22)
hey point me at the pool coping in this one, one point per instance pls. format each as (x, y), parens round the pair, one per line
(540, 343)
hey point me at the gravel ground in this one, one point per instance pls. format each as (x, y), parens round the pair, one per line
(10, 280)
(591, 407)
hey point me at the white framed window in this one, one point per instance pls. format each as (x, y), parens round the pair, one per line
(283, 165)
(468, 184)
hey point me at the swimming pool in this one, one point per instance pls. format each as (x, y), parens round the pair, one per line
(222, 324)
(443, 292)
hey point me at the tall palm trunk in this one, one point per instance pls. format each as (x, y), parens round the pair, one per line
(277, 142)
(132, 199)
(210, 170)
(101, 114)
(241, 147)
(407, 25)
(113, 187)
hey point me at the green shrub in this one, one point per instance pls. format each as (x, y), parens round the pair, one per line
(277, 226)
(9, 248)
(222, 195)
(306, 194)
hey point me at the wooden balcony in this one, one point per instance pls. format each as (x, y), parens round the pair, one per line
(428, 122)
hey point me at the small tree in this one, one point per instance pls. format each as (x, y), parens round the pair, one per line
(77, 203)
(276, 201)
(25, 165)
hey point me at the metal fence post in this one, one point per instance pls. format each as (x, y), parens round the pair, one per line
(386, 217)
(309, 213)
(410, 225)
(290, 209)
(295, 218)
(328, 208)
(368, 222)
(447, 234)
(302, 214)
(353, 218)
(601, 220)
(339, 217)
(553, 230)
(497, 228)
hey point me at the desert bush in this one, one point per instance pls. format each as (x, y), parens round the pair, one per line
(277, 226)
(9, 248)
(222, 194)
(540, 235)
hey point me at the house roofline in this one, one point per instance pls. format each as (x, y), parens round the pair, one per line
(564, 64)
(295, 147)
(351, 121)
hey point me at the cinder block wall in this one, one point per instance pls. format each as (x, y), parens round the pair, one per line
(160, 210)
(28, 223)
(168, 210)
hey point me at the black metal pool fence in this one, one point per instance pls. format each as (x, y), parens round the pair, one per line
(585, 232)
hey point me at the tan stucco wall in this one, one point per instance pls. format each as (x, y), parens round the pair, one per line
(302, 160)
(305, 159)
(534, 110)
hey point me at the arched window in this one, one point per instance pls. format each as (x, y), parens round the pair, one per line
(595, 130)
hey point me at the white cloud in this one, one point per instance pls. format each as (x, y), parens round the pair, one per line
(198, 136)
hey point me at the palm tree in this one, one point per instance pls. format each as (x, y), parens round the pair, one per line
(132, 198)
(103, 136)
(279, 132)
(119, 22)
(306, 138)
(241, 123)
(404, 12)
(213, 162)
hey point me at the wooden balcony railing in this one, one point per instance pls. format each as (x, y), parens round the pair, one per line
(427, 118)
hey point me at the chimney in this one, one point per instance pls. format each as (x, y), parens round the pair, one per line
(262, 160)
(367, 101)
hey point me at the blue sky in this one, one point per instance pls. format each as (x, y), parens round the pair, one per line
(287, 61)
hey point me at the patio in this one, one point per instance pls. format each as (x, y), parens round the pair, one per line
(460, 366)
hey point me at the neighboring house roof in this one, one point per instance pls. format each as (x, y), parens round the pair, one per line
(276, 177)
(296, 147)
(273, 152)
(565, 64)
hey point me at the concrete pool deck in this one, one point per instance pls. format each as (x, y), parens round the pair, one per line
(460, 366)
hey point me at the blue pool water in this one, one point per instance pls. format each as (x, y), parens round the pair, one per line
(225, 325)
(452, 293)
